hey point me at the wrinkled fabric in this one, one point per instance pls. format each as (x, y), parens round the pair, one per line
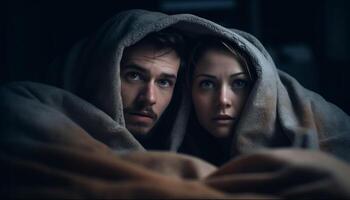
(52, 139)
(66, 138)
(279, 111)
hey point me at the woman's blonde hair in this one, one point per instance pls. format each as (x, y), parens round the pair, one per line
(207, 43)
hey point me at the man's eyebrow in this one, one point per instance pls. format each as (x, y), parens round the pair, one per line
(168, 76)
(135, 67)
(145, 71)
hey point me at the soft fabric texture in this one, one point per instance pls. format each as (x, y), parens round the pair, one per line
(70, 140)
(279, 111)
(56, 145)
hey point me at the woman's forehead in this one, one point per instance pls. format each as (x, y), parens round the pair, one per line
(214, 61)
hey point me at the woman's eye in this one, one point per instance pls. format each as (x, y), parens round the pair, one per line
(164, 83)
(133, 76)
(206, 84)
(239, 84)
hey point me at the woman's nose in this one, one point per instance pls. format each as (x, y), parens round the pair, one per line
(224, 97)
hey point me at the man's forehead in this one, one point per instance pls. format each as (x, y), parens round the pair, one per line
(149, 50)
(147, 56)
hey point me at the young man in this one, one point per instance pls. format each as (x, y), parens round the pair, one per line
(149, 71)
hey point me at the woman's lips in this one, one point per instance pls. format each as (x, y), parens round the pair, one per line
(223, 119)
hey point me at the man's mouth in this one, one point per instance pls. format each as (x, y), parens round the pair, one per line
(142, 116)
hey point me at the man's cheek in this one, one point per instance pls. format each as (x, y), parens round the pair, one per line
(127, 93)
(165, 103)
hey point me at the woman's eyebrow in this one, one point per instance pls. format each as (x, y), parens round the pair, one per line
(238, 74)
(205, 75)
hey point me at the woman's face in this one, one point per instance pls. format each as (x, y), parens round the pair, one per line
(219, 89)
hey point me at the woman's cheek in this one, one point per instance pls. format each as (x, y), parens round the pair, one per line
(203, 104)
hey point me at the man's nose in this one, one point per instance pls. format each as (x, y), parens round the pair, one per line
(149, 94)
(225, 97)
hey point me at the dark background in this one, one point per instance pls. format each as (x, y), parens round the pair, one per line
(308, 39)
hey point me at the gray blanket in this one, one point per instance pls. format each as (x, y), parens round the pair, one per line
(277, 105)
(62, 139)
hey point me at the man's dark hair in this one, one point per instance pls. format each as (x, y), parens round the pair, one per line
(169, 38)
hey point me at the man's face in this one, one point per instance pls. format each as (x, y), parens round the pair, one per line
(148, 78)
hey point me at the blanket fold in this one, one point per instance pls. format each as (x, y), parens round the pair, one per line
(66, 137)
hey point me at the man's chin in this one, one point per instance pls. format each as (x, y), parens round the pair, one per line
(139, 130)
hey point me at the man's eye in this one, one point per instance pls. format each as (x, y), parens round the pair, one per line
(164, 83)
(239, 84)
(133, 76)
(206, 84)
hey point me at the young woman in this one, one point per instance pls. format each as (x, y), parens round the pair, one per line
(243, 104)
(220, 80)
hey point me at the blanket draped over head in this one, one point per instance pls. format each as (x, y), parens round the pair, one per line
(66, 137)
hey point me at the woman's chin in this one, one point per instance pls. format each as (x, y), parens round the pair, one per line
(220, 132)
